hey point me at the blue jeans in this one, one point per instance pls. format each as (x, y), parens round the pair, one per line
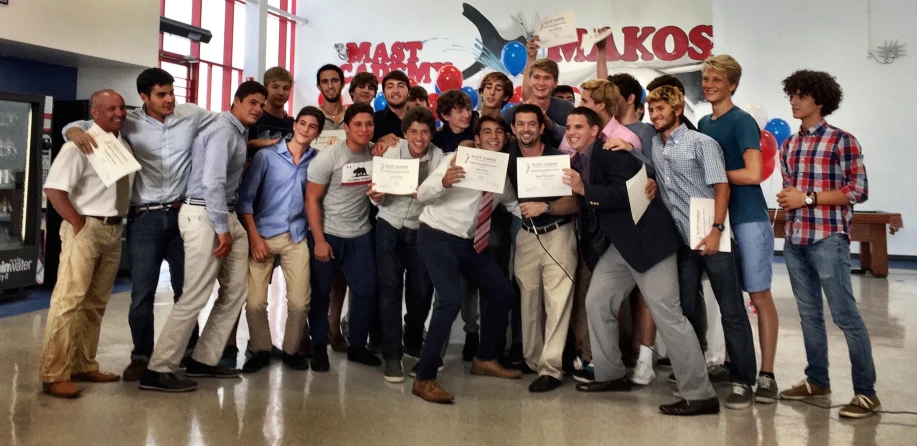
(152, 237)
(397, 257)
(825, 265)
(722, 270)
(449, 258)
(353, 256)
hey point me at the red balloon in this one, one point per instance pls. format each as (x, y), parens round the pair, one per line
(433, 97)
(576, 90)
(321, 99)
(449, 77)
(768, 153)
(517, 96)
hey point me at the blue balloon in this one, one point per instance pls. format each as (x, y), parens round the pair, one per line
(380, 103)
(471, 94)
(513, 57)
(439, 124)
(508, 106)
(780, 128)
(436, 88)
(643, 98)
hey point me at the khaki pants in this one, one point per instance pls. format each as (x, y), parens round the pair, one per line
(578, 321)
(294, 260)
(201, 270)
(546, 295)
(88, 265)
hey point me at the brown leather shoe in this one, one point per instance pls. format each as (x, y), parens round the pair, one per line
(134, 371)
(338, 343)
(62, 389)
(493, 368)
(429, 390)
(95, 377)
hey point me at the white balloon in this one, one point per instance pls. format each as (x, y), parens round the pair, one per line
(757, 111)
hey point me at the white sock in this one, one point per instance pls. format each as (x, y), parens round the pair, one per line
(646, 354)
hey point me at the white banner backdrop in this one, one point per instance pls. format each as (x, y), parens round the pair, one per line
(650, 37)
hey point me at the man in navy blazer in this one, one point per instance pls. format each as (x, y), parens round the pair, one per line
(623, 255)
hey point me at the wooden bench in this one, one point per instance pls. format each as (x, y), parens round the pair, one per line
(869, 229)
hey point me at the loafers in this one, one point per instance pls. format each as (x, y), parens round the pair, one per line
(430, 391)
(615, 385)
(687, 408)
(94, 377)
(493, 368)
(62, 389)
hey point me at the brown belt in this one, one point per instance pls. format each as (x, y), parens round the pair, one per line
(107, 220)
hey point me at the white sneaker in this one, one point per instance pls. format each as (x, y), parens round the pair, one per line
(643, 373)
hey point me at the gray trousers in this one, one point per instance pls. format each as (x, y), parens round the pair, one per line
(612, 281)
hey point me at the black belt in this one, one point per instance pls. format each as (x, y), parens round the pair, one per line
(548, 228)
(165, 207)
(231, 207)
(107, 220)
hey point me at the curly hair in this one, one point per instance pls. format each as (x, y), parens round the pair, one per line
(821, 86)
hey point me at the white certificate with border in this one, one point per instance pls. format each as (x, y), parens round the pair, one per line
(636, 194)
(395, 176)
(542, 176)
(484, 170)
(702, 211)
(111, 160)
(558, 29)
(328, 138)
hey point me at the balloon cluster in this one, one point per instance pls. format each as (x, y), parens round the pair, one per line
(773, 133)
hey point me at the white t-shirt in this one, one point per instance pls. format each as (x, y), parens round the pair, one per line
(72, 173)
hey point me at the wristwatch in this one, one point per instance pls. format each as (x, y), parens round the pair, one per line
(548, 208)
(810, 199)
(721, 227)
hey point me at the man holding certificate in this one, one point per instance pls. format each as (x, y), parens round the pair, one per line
(630, 254)
(90, 253)
(453, 243)
(545, 248)
(396, 245)
(689, 165)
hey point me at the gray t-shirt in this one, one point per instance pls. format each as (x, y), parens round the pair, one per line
(345, 207)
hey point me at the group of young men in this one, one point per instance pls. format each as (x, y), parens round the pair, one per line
(226, 197)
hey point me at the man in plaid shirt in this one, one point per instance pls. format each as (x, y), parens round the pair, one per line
(823, 177)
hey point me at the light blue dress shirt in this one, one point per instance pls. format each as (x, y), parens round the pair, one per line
(273, 191)
(217, 161)
(163, 150)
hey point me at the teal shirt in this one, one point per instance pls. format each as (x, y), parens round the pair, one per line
(737, 131)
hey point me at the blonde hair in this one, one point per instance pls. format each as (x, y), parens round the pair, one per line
(605, 92)
(277, 74)
(546, 65)
(727, 65)
(668, 94)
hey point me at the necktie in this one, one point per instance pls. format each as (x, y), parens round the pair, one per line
(123, 197)
(482, 233)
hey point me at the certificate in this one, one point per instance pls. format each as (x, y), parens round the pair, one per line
(558, 29)
(328, 138)
(357, 174)
(484, 170)
(111, 160)
(636, 193)
(542, 176)
(702, 210)
(589, 40)
(395, 176)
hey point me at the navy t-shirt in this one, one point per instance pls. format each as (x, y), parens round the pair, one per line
(735, 132)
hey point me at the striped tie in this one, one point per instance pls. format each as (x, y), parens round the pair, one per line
(482, 233)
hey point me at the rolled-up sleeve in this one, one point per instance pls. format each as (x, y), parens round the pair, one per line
(855, 185)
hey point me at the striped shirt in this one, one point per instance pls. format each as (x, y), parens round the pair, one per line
(822, 158)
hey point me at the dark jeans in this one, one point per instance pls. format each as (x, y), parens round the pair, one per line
(397, 257)
(825, 266)
(449, 258)
(153, 236)
(724, 280)
(353, 256)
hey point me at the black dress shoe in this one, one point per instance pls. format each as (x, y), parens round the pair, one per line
(471, 346)
(200, 370)
(165, 382)
(687, 408)
(615, 385)
(320, 361)
(295, 362)
(544, 383)
(257, 362)
(363, 356)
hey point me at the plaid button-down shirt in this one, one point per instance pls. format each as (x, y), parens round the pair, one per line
(687, 165)
(822, 158)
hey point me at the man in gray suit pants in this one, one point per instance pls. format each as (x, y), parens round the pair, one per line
(622, 255)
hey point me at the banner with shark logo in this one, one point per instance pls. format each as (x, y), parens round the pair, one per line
(648, 38)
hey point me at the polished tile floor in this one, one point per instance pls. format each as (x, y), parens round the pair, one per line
(353, 405)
